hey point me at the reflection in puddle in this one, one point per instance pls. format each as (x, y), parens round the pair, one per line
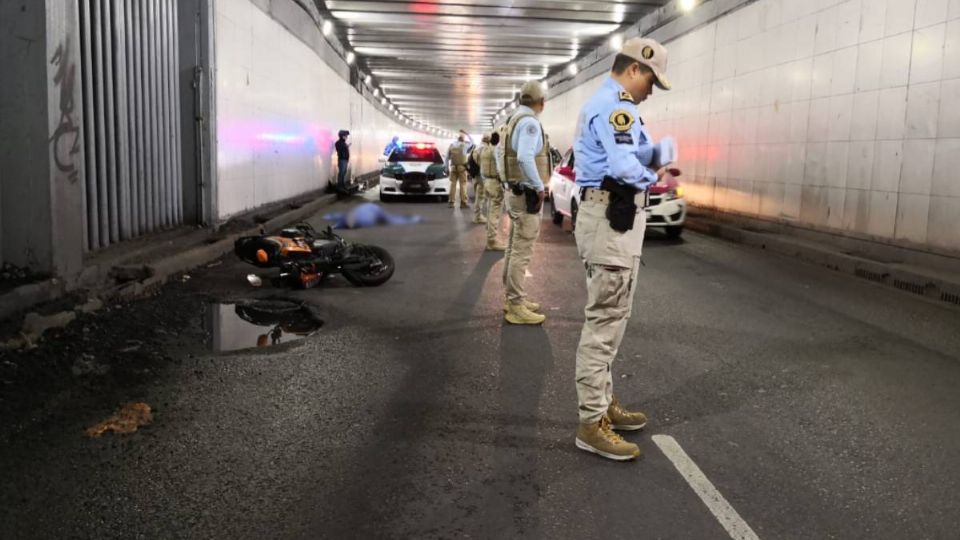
(258, 324)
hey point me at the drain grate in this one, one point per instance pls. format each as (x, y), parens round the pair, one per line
(953, 298)
(872, 276)
(909, 287)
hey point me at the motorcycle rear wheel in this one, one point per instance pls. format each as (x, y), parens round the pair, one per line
(378, 272)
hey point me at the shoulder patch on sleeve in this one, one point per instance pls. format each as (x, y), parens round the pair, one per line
(626, 96)
(532, 130)
(621, 120)
(623, 138)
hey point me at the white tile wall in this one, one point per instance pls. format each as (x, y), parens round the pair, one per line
(931, 12)
(923, 109)
(279, 107)
(951, 48)
(892, 113)
(917, 170)
(838, 114)
(949, 109)
(895, 65)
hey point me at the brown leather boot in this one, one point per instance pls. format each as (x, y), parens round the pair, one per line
(601, 440)
(624, 420)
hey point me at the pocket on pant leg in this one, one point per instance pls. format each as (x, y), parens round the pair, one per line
(609, 289)
(586, 234)
(618, 248)
(529, 225)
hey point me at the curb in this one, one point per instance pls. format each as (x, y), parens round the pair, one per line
(25, 296)
(915, 282)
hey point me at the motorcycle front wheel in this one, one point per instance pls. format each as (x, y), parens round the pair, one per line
(377, 272)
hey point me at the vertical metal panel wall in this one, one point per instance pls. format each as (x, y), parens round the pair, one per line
(131, 104)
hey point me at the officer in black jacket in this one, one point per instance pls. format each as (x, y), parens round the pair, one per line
(343, 159)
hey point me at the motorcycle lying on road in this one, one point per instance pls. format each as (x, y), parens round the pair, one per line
(305, 257)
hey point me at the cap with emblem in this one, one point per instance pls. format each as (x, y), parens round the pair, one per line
(533, 89)
(651, 54)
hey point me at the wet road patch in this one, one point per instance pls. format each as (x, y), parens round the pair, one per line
(257, 324)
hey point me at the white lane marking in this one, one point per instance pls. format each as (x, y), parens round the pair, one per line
(736, 527)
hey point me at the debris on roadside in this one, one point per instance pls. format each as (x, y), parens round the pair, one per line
(130, 273)
(34, 326)
(92, 305)
(214, 264)
(130, 418)
(185, 278)
(133, 346)
(87, 365)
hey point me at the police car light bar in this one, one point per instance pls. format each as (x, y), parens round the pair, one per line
(419, 145)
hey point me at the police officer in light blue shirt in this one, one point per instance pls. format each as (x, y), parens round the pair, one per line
(524, 167)
(527, 142)
(616, 162)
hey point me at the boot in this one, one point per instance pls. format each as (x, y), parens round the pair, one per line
(624, 420)
(601, 440)
(496, 246)
(519, 314)
(480, 220)
(532, 306)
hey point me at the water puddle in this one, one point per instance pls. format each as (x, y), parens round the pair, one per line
(258, 324)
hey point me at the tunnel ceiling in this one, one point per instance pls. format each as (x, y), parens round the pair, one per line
(452, 64)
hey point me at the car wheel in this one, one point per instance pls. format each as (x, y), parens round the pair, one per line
(557, 216)
(444, 198)
(385, 198)
(573, 213)
(674, 232)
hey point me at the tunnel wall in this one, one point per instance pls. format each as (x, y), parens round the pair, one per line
(280, 104)
(839, 116)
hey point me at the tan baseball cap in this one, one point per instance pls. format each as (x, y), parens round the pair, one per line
(651, 54)
(533, 89)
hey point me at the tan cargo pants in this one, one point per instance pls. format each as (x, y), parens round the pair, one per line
(493, 189)
(458, 177)
(611, 259)
(480, 199)
(524, 229)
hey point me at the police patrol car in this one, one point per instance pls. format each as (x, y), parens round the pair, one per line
(414, 169)
(667, 210)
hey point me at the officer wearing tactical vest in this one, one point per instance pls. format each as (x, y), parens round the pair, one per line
(480, 195)
(457, 163)
(615, 164)
(525, 167)
(493, 189)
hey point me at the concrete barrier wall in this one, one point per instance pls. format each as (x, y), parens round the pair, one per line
(833, 115)
(279, 108)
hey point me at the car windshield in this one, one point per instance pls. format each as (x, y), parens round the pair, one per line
(427, 154)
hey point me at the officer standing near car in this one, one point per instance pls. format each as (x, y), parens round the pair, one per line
(457, 164)
(480, 196)
(493, 188)
(615, 166)
(525, 167)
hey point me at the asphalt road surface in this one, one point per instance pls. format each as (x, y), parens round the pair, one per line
(809, 405)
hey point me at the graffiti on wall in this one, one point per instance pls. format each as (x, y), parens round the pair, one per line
(66, 138)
